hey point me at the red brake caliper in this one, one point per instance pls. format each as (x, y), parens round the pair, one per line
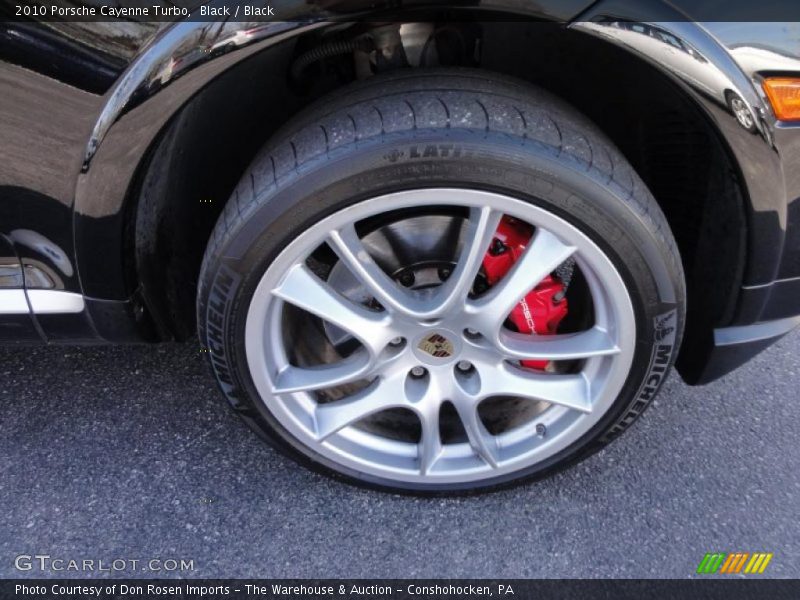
(543, 308)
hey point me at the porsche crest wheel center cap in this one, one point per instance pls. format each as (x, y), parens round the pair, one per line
(437, 347)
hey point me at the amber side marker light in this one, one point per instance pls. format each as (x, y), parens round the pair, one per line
(784, 95)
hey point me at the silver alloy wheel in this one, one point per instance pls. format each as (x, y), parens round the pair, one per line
(742, 113)
(439, 344)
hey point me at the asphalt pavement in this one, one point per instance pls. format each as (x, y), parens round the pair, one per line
(130, 453)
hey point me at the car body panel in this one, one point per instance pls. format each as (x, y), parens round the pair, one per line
(713, 62)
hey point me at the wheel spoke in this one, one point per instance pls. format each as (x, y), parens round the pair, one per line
(541, 257)
(571, 391)
(481, 228)
(305, 290)
(348, 247)
(430, 444)
(586, 344)
(306, 379)
(381, 395)
(483, 443)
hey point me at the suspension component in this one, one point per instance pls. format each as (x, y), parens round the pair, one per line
(542, 309)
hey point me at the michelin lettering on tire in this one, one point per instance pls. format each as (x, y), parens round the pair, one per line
(219, 299)
(665, 330)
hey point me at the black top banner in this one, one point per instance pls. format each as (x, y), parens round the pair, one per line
(399, 589)
(264, 11)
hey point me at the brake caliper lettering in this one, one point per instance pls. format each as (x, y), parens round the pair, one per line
(542, 309)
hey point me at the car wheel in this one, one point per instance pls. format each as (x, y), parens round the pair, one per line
(440, 281)
(741, 111)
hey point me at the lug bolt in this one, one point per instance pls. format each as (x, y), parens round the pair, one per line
(417, 372)
(444, 273)
(407, 279)
(471, 332)
(463, 366)
(396, 341)
(541, 430)
(497, 247)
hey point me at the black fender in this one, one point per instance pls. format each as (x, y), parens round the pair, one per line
(714, 63)
(709, 75)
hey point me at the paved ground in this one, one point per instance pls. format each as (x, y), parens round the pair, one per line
(130, 453)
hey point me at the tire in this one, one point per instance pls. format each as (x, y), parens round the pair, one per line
(411, 153)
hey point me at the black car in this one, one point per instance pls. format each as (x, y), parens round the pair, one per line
(426, 248)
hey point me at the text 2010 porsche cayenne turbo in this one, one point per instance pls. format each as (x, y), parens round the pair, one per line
(424, 249)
